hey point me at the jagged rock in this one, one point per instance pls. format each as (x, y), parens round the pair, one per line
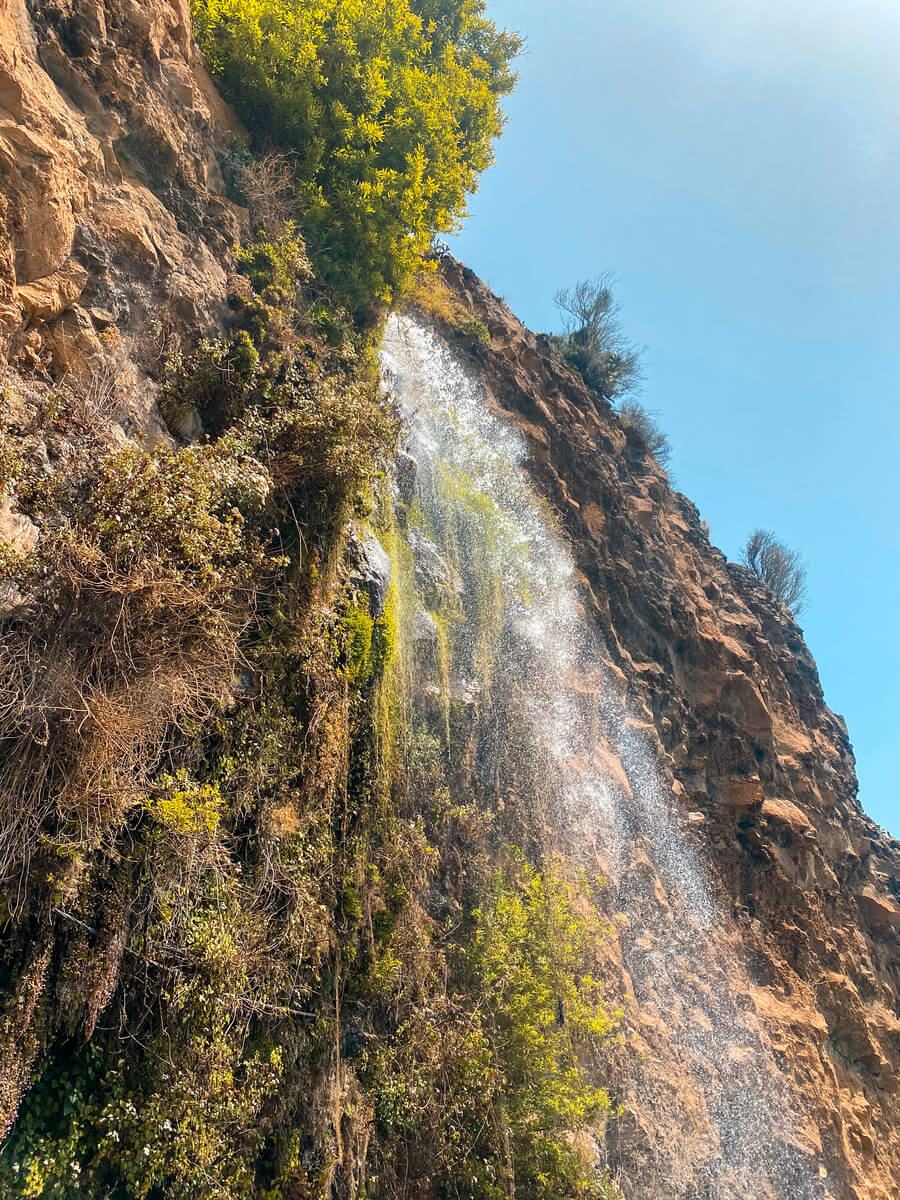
(90, 216)
(49, 297)
(788, 815)
(405, 468)
(740, 792)
(116, 214)
(372, 570)
(425, 630)
(436, 580)
(878, 909)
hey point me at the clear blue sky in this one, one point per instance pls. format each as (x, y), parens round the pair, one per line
(737, 166)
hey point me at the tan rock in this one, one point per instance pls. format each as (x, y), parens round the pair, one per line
(784, 812)
(16, 530)
(51, 296)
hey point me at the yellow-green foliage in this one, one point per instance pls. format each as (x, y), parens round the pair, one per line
(489, 549)
(534, 953)
(281, 263)
(533, 958)
(389, 106)
(184, 806)
(502, 1064)
(431, 294)
(370, 642)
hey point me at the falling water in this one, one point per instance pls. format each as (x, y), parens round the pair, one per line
(566, 726)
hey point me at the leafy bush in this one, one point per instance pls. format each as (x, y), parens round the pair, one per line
(530, 962)
(185, 506)
(781, 569)
(186, 807)
(490, 1080)
(215, 378)
(279, 261)
(389, 108)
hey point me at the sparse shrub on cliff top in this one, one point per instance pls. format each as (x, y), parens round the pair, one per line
(781, 569)
(642, 424)
(592, 338)
(389, 108)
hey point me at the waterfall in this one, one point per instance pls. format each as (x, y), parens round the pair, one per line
(501, 587)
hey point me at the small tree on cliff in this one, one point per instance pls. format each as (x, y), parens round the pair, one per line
(783, 570)
(592, 338)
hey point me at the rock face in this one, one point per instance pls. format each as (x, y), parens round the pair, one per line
(112, 207)
(728, 693)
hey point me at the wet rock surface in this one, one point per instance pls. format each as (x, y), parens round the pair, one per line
(371, 569)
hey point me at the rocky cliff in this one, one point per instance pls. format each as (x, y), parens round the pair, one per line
(117, 237)
(113, 201)
(717, 672)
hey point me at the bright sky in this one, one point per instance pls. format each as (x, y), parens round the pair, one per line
(737, 166)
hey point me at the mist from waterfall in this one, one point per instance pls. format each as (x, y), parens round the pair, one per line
(548, 666)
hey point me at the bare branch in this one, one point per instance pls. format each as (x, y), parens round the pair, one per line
(592, 339)
(781, 569)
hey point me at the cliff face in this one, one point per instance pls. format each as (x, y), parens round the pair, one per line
(116, 239)
(719, 676)
(113, 208)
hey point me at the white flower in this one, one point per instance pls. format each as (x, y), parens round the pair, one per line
(147, 1151)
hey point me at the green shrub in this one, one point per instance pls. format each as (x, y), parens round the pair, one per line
(216, 378)
(390, 108)
(530, 960)
(186, 506)
(280, 263)
(491, 1079)
(185, 807)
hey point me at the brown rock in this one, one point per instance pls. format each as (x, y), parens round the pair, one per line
(879, 910)
(740, 792)
(785, 813)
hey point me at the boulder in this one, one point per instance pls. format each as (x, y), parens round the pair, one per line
(371, 569)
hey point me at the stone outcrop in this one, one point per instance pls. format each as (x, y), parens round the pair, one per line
(112, 203)
(722, 681)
